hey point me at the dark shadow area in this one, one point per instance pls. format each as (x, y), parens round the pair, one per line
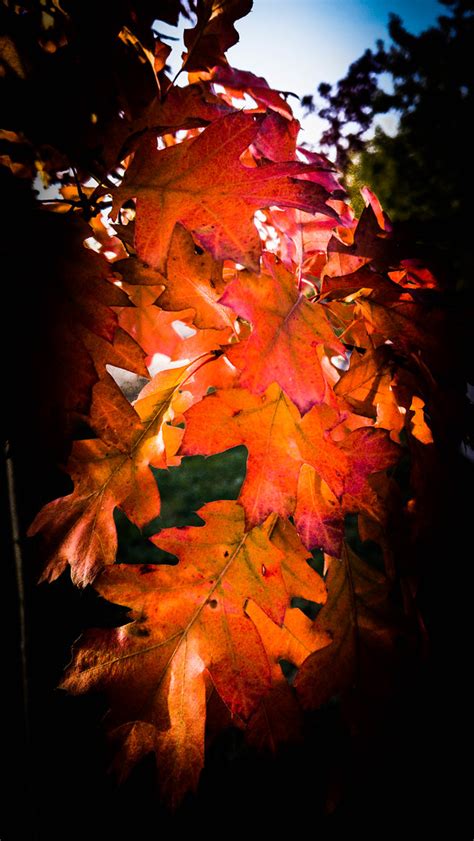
(363, 767)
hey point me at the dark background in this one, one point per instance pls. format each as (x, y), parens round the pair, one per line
(391, 773)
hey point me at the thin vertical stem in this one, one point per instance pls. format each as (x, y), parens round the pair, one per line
(18, 560)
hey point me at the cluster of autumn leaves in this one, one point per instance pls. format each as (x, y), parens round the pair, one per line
(237, 281)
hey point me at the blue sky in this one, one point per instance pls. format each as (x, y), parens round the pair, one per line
(295, 45)
(307, 41)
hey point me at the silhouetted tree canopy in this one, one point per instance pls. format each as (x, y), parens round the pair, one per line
(422, 174)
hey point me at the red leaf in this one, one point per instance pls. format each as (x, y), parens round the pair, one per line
(269, 426)
(202, 184)
(287, 330)
(241, 82)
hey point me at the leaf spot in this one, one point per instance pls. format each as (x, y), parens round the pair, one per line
(137, 631)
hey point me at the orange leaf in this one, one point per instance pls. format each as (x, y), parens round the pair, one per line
(419, 427)
(287, 329)
(114, 471)
(188, 622)
(367, 387)
(202, 184)
(318, 515)
(277, 439)
(241, 82)
(194, 280)
(279, 443)
(278, 719)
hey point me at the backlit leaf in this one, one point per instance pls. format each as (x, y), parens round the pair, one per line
(202, 184)
(187, 627)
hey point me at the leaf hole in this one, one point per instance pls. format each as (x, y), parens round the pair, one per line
(289, 670)
(213, 603)
(316, 561)
(309, 608)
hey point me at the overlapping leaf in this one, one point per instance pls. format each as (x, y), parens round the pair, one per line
(364, 626)
(191, 622)
(81, 328)
(367, 387)
(213, 33)
(240, 83)
(113, 470)
(194, 280)
(202, 184)
(279, 444)
(370, 242)
(287, 331)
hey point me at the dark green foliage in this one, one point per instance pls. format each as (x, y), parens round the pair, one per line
(197, 480)
(421, 175)
(183, 491)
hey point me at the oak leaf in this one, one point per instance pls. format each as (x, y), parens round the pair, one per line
(113, 470)
(287, 330)
(79, 298)
(319, 513)
(363, 280)
(363, 625)
(278, 717)
(367, 243)
(172, 333)
(239, 83)
(213, 33)
(277, 138)
(202, 184)
(194, 280)
(303, 239)
(189, 623)
(279, 444)
(367, 388)
(408, 325)
(181, 108)
(419, 427)
(122, 352)
(277, 439)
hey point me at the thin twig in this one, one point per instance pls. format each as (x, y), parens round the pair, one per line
(18, 557)
(61, 201)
